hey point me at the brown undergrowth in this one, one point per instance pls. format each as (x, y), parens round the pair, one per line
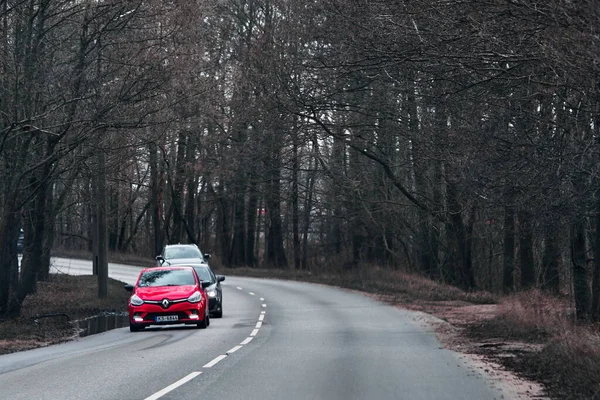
(46, 315)
(547, 344)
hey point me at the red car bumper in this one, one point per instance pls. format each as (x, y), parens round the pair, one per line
(177, 313)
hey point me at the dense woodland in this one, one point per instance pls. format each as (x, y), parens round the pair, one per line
(455, 139)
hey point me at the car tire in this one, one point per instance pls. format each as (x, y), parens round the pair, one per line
(204, 323)
(135, 327)
(219, 314)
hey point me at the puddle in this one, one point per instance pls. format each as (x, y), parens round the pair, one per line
(101, 323)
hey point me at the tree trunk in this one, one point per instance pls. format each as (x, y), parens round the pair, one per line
(526, 250)
(509, 248)
(275, 253)
(595, 313)
(294, 200)
(550, 260)
(156, 198)
(9, 231)
(308, 204)
(176, 182)
(252, 212)
(101, 222)
(581, 287)
(237, 257)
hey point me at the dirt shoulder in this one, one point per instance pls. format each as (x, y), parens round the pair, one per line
(453, 321)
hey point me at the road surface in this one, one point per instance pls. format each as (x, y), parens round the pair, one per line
(276, 340)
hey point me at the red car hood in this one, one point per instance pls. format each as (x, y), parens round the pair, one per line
(169, 292)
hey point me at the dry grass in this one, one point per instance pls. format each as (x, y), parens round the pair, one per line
(568, 365)
(531, 316)
(397, 286)
(72, 298)
(568, 362)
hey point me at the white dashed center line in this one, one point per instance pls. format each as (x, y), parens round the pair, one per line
(175, 385)
(215, 361)
(247, 340)
(233, 350)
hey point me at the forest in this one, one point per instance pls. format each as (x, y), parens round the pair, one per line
(453, 139)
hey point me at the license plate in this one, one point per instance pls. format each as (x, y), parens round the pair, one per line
(167, 318)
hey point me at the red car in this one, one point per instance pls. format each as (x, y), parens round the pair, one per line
(168, 295)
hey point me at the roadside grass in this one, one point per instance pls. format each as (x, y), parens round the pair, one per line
(568, 365)
(65, 297)
(393, 286)
(568, 360)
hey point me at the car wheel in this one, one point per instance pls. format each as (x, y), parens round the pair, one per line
(135, 327)
(204, 323)
(219, 314)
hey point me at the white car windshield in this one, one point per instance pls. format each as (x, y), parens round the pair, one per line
(182, 252)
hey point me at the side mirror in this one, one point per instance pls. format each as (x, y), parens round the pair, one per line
(129, 288)
(159, 258)
(220, 278)
(206, 284)
(207, 256)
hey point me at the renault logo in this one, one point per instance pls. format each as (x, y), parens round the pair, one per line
(165, 303)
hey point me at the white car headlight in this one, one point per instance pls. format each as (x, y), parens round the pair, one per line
(195, 298)
(212, 293)
(136, 301)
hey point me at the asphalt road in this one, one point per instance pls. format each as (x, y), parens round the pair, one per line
(276, 340)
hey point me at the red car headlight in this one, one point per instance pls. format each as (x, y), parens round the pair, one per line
(136, 301)
(195, 298)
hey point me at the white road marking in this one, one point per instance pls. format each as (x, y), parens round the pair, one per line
(262, 312)
(215, 361)
(233, 350)
(175, 385)
(264, 305)
(261, 317)
(251, 294)
(254, 332)
(262, 299)
(238, 288)
(247, 340)
(258, 324)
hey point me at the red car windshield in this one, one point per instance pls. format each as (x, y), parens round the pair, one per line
(167, 277)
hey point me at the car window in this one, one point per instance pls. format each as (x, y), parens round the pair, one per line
(167, 277)
(204, 274)
(182, 252)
